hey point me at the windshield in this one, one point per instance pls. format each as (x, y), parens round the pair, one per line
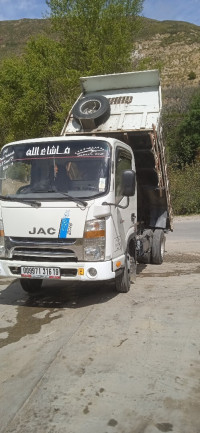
(47, 169)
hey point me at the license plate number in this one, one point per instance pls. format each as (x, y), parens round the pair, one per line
(40, 272)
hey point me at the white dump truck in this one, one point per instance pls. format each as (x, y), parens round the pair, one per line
(89, 204)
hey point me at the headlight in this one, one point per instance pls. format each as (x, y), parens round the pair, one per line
(2, 244)
(94, 240)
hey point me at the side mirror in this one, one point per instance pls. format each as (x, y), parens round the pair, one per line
(128, 183)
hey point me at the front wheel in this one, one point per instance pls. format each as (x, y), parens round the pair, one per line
(122, 281)
(158, 247)
(32, 285)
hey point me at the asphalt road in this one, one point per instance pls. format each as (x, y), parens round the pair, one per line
(186, 235)
(88, 360)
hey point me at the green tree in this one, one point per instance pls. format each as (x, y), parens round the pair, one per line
(48, 85)
(33, 90)
(188, 134)
(97, 35)
(177, 102)
(185, 189)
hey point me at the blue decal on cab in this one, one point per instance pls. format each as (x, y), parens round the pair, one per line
(64, 225)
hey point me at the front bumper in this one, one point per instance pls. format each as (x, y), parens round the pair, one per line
(78, 271)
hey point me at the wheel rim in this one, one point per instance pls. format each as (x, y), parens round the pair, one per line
(90, 107)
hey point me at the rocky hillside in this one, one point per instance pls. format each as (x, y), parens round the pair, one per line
(171, 46)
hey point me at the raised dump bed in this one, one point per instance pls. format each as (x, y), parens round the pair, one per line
(132, 114)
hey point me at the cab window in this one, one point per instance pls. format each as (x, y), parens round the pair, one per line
(123, 162)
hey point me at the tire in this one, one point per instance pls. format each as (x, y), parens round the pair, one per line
(92, 107)
(31, 286)
(133, 270)
(122, 281)
(158, 247)
(145, 259)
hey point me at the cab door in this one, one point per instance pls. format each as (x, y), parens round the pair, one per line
(124, 219)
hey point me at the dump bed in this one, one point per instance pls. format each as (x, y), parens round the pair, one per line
(134, 97)
(132, 115)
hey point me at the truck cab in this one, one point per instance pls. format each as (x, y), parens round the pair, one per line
(68, 210)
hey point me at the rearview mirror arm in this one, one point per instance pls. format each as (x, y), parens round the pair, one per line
(117, 205)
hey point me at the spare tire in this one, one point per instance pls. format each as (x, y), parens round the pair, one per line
(92, 107)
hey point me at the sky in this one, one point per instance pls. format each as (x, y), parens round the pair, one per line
(179, 10)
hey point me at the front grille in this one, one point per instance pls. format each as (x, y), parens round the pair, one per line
(44, 256)
(43, 253)
(51, 241)
(48, 250)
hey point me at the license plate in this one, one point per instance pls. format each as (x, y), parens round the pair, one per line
(40, 272)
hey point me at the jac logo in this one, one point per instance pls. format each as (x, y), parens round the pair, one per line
(41, 231)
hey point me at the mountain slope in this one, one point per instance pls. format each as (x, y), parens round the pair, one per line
(15, 34)
(171, 46)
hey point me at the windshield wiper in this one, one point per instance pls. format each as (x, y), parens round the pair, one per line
(54, 189)
(30, 202)
(43, 190)
(75, 199)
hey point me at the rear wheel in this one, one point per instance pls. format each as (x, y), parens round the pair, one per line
(32, 285)
(158, 247)
(145, 258)
(122, 281)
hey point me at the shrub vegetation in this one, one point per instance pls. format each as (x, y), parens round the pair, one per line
(185, 189)
(181, 121)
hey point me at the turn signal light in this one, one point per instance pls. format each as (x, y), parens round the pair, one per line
(94, 234)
